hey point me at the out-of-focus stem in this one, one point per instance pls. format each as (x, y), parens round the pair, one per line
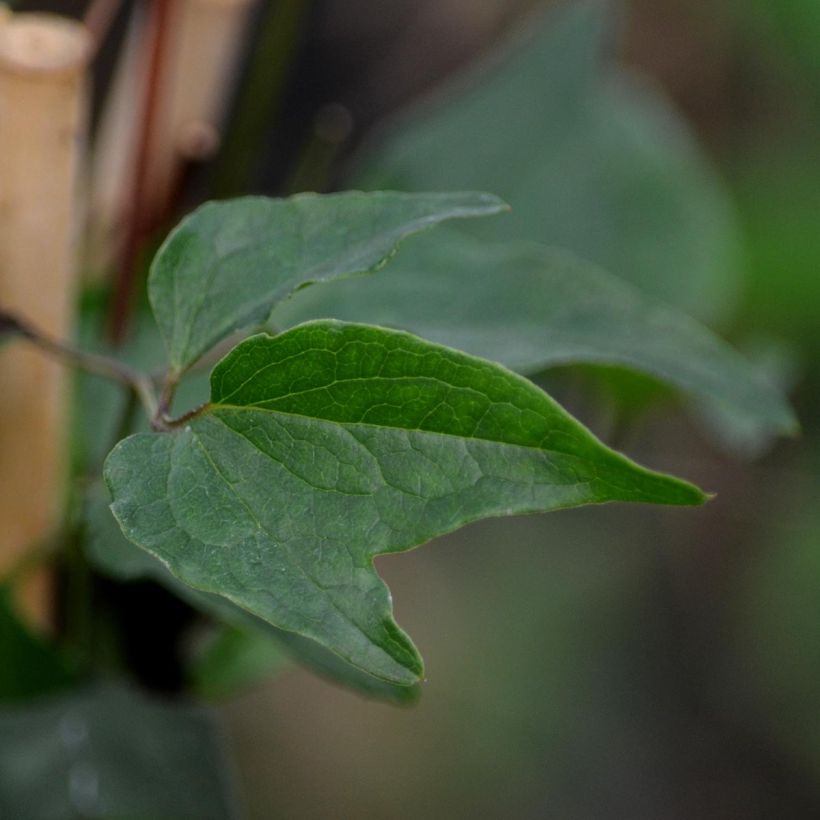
(94, 363)
(138, 222)
(201, 42)
(260, 95)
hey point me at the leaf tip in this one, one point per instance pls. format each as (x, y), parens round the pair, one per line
(495, 204)
(692, 495)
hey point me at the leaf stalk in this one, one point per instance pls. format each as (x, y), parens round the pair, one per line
(95, 363)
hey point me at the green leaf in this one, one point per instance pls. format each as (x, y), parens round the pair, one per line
(789, 28)
(31, 666)
(531, 307)
(227, 264)
(589, 158)
(233, 659)
(777, 186)
(119, 558)
(334, 443)
(112, 752)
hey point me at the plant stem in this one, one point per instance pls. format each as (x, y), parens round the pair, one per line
(260, 95)
(139, 221)
(90, 362)
(170, 423)
(79, 602)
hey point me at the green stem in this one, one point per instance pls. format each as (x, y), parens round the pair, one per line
(171, 423)
(78, 633)
(94, 363)
(260, 95)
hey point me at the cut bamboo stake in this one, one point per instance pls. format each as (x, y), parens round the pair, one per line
(43, 61)
(198, 74)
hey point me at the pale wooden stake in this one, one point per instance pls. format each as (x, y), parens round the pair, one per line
(43, 61)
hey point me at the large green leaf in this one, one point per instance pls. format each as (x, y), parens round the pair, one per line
(333, 443)
(227, 264)
(531, 307)
(115, 753)
(589, 158)
(114, 555)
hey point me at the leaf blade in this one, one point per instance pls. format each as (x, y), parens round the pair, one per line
(228, 263)
(121, 559)
(344, 442)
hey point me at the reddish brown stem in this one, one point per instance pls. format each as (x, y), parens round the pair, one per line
(139, 222)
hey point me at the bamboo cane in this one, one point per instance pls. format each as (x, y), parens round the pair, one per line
(43, 60)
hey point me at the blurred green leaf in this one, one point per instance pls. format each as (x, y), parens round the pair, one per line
(114, 753)
(589, 161)
(794, 25)
(31, 666)
(778, 189)
(226, 265)
(745, 435)
(233, 659)
(531, 307)
(334, 443)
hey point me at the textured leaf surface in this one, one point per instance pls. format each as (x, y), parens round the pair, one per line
(589, 158)
(531, 307)
(333, 443)
(113, 753)
(227, 264)
(119, 558)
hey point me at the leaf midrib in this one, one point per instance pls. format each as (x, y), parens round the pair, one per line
(213, 408)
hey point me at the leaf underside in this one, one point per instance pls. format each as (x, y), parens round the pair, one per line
(334, 443)
(531, 307)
